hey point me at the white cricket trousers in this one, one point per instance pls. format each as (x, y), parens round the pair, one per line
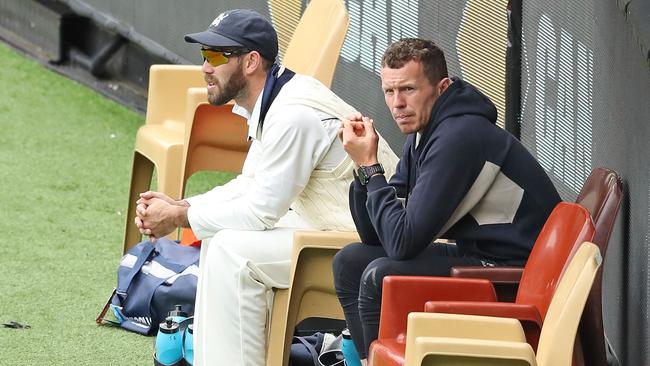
(238, 271)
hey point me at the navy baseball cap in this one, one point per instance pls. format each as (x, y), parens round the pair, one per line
(239, 28)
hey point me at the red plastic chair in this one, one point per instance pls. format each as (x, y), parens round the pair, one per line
(601, 195)
(566, 228)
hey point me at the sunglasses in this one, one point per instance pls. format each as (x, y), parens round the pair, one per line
(216, 58)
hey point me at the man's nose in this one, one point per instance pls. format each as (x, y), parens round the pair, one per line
(206, 67)
(398, 101)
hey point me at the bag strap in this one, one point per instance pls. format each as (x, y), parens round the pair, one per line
(147, 249)
(139, 325)
(134, 326)
(312, 350)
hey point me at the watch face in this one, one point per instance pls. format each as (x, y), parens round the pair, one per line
(363, 177)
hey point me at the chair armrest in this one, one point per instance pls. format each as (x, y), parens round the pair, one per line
(505, 275)
(464, 326)
(402, 295)
(454, 335)
(469, 350)
(505, 279)
(522, 312)
(323, 239)
(330, 241)
(528, 315)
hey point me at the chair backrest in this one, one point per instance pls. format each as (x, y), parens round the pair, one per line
(556, 341)
(168, 85)
(316, 43)
(601, 195)
(216, 131)
(566, 228)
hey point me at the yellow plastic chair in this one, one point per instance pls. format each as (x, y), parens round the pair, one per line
(311, 289)
(453, 339)
(159, 142)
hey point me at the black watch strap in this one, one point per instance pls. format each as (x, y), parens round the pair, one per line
(365, 172)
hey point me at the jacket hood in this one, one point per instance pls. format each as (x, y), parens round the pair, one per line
(460, 98)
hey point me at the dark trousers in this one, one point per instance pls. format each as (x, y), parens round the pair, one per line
(359, 270)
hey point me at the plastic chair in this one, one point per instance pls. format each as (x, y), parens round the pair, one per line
(567, 226)
(452, 339)
(159, 142)
(316, 43)
(601, 195)
(216, 140)
(311, 289)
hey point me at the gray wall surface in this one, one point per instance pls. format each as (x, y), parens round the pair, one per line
(166, 21)
(585, 91)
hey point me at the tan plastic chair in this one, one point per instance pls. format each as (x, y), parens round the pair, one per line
(311, 289)
(159, 142)
(316, 43)
(452, 339)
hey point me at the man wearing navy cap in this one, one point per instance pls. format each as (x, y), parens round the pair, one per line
(295, 161)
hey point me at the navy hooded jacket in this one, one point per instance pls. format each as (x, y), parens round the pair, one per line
(467, 180)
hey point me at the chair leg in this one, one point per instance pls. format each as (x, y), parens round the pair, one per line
(277, 328)
(141, 174)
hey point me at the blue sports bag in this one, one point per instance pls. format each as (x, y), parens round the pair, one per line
(151, 279)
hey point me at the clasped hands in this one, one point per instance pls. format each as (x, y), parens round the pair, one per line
(359, 138)
(158, 214)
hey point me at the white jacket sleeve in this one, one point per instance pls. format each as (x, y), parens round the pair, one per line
(293, 142)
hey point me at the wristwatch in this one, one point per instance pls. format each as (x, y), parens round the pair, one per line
(365, 172)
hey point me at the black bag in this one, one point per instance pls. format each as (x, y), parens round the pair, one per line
(305, 350)
(318, 349)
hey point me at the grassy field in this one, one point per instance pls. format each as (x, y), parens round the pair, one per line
(65, 160)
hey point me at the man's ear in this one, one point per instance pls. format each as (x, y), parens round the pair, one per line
(443, 84)
(252, 62)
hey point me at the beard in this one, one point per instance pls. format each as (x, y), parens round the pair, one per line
(234, 88)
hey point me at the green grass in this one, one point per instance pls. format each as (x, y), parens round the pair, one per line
(65, 160)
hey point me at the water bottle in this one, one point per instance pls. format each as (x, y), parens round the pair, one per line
(349, 351)
(178, 315)
(189, 345)
(169, 343)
